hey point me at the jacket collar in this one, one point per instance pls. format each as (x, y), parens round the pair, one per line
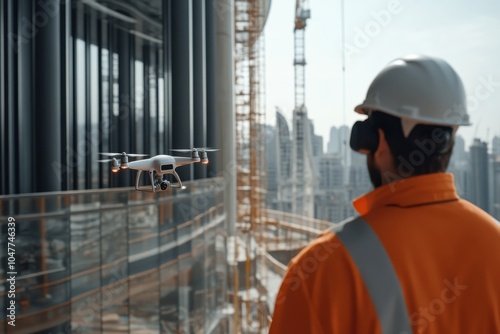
(417, 190)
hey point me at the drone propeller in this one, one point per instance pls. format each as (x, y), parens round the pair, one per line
(206, 149)
(181, 150)
(104, 160)
(136, 155)
(123, 154)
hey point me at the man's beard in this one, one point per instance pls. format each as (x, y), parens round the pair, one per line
(375, 175)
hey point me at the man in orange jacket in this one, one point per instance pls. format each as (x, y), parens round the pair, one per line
(418, 259)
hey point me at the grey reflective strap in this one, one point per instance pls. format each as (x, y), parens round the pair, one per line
(377, 272)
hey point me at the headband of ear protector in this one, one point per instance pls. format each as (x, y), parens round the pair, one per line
(364, 136)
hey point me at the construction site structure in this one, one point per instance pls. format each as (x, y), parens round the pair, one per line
(302, 179)
(249, 297)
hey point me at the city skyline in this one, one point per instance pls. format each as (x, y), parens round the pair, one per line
(462, 33)
(340, 174)
(493, 143)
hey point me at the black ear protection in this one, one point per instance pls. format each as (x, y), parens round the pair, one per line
(364, 136)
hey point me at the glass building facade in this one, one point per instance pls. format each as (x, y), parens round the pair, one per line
(87, 76)
(117, 260)
(92, 255)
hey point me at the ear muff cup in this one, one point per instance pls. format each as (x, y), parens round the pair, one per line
(364, 136)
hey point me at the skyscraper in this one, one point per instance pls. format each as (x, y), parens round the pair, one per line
(331, 172)
(331, 201)
(459, 167)
(284, 163)
(317, 145)
(338, 141)
(479, 190)
(333, 143)
(459, 154)
(496, 145)
(272, 165)
(495, 211)
(316, 141)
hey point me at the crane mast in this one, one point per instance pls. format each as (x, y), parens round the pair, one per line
(302, 169)
(301, 16)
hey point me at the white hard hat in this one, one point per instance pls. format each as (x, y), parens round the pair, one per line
(419, 90)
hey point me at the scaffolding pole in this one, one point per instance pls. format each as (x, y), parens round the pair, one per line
(249, 18)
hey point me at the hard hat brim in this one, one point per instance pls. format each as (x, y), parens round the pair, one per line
(364, 109)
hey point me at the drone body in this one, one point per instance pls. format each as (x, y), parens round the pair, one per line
(157, 167)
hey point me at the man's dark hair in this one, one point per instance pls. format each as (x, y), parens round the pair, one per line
(427, 149)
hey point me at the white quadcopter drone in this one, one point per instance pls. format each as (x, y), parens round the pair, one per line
(157, 166)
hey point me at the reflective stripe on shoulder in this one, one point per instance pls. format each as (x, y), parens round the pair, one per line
(377, 272)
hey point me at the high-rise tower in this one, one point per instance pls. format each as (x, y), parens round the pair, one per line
(479, 190)
(284, 148)
(495, 210)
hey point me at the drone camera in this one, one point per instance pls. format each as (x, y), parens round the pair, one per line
(164, 185)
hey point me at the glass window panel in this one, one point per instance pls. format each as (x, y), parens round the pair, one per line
(185, 292)
(169, 297)
(198, 284)
(86, 312)
(161, 115)
(114, 270)
(85, 266)
(114, 82)
(85, 244)
(139, 105)
(94, 138)
(105, 124)
(143, 265)
(81, 105)
(143, 235)
(42, 248)
(153, 104)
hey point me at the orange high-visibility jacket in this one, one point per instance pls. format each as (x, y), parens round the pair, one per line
(418, 260)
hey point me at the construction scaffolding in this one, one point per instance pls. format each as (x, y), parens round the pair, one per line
(250, 297)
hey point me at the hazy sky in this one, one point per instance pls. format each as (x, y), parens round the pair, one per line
(464, 33)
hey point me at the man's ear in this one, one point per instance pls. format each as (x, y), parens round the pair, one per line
(383, 156)
(383, 148)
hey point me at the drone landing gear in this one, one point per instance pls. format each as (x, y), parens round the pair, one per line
(158, 183)
(179, 182)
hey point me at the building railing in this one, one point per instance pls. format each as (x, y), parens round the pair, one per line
(285, 234)
(116, 259)
(287, 231)
(312, 223)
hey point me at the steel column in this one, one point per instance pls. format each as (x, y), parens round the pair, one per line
(199, 82)
(124, 99)
(211, 116)
(182, 78)
(47, 106)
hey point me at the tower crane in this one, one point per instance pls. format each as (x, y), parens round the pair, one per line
(302, 166)
(302, 14)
